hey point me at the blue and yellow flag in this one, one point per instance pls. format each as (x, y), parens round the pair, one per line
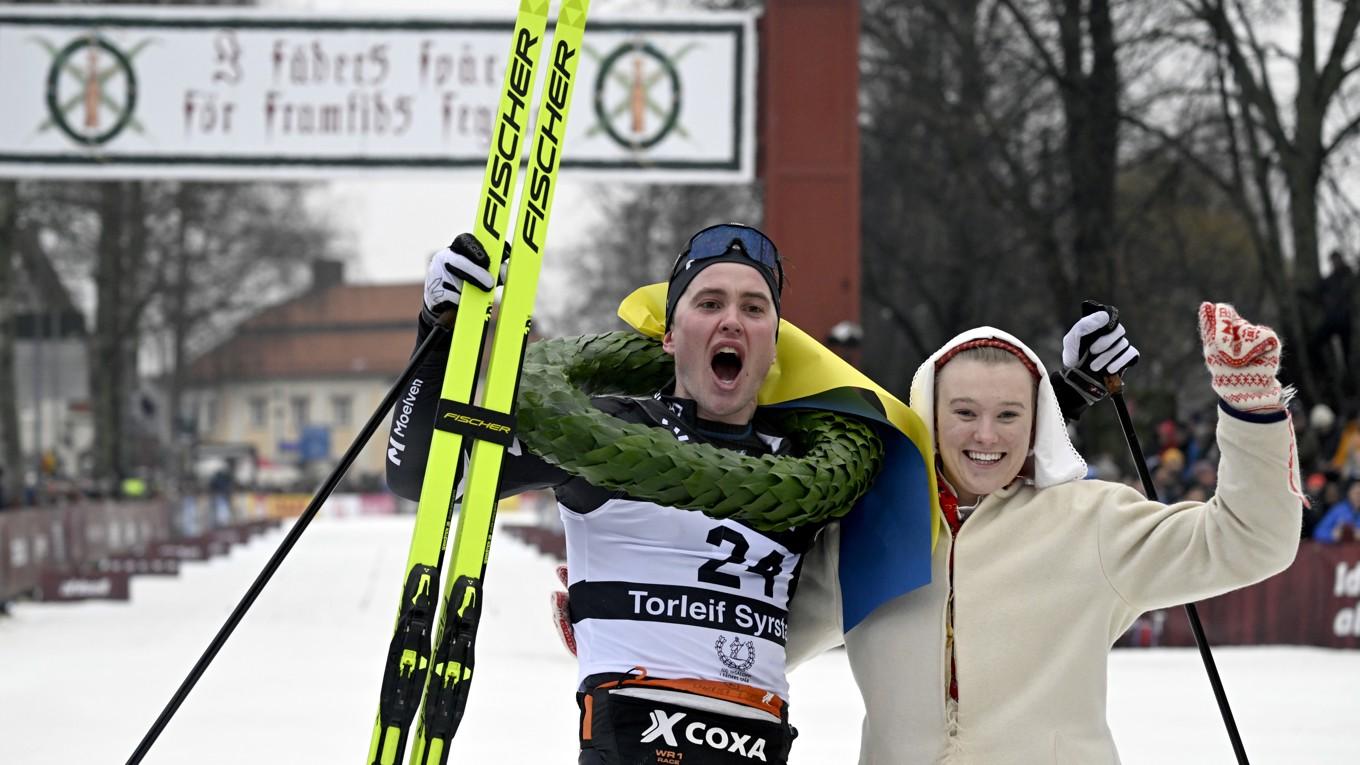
(886, 541)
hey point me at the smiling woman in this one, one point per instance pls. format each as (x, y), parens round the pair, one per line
(1003, 657)
(985, 408)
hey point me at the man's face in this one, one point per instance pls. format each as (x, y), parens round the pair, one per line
(722, 338)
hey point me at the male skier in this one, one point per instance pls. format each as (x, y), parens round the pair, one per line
(678, 617)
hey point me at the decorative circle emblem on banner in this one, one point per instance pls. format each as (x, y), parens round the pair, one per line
(91, 90)
(637, 95)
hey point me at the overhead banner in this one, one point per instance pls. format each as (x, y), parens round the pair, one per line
(148, 92)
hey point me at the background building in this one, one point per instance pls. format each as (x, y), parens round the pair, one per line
(51, 375)
(296, 382)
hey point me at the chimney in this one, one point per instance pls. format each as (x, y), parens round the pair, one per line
(327, 274)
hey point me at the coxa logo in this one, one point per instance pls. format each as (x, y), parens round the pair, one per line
(666, 727)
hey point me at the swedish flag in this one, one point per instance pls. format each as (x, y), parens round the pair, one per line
(886, 541)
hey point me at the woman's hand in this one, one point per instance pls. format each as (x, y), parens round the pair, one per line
(1243, 359)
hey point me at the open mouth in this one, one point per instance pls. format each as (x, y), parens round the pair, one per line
(726, 364)
(983, 459)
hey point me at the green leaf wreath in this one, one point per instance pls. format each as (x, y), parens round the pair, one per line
(837, 458)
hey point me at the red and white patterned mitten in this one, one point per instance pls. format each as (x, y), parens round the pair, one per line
(561, 612)
(1243, 359)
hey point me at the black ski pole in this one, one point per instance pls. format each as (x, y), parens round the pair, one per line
(1115, 385)
(441, 330)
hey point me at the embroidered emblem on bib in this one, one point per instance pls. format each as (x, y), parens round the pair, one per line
(738, 659)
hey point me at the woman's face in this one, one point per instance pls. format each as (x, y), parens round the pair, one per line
(984, 413)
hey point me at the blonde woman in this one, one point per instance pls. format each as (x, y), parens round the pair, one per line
(1002, 657)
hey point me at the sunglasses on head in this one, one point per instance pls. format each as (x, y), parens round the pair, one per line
(716, 241)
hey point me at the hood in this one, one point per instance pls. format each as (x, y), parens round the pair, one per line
(1055, 460)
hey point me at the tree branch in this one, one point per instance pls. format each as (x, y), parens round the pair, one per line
(1045, 58)
(1262, 83)
(1177, 144)
(1334, 72)
(1212, 13)
(1341, 136)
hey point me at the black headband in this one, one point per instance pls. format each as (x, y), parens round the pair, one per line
(725, 243)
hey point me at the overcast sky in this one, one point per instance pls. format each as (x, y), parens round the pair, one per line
(394, 223)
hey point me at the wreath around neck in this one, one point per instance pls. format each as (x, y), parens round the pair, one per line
(838, 456)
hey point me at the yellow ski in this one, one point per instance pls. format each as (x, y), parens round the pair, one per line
(408, 658)
(446, 697)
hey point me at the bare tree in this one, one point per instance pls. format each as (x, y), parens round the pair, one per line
(172, 263)
(233, 248)
(1076, 47)
(120, 299)
(641, 230)
(11, 454)
(920, 166)
(1002, 186)
(1300, 156)
(1275, 160)
(986, 153)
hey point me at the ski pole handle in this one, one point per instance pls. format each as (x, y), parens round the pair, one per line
(1113, 382)
(446, 318)
(1092, 387)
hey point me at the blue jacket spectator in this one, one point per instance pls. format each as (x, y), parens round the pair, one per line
(1342, 521)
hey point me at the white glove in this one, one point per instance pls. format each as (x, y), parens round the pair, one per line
(1242, 358)
(1092, 351)
(561, 613)
(1110, 351)
(450, 268)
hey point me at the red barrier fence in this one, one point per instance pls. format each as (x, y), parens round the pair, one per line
(1316, 601)
(72, 539)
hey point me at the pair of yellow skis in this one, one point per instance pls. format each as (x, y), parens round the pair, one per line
(448, 664)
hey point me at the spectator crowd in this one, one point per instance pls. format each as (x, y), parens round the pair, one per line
(1184, 454)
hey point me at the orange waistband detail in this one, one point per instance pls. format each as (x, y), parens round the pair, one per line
(587, 719)
(745, 695)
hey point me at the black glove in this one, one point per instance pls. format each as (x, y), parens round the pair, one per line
(1095, 348)
(450, 268)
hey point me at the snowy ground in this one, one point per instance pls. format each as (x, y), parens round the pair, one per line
(298, 683)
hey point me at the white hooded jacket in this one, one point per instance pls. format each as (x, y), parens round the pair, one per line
(1048, 573)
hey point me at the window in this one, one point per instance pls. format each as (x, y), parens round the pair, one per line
(301, 405)
(259, 411)
(340, 409)
(209, 422)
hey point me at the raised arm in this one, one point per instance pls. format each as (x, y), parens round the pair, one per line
(1158, 555)
(408, 439)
